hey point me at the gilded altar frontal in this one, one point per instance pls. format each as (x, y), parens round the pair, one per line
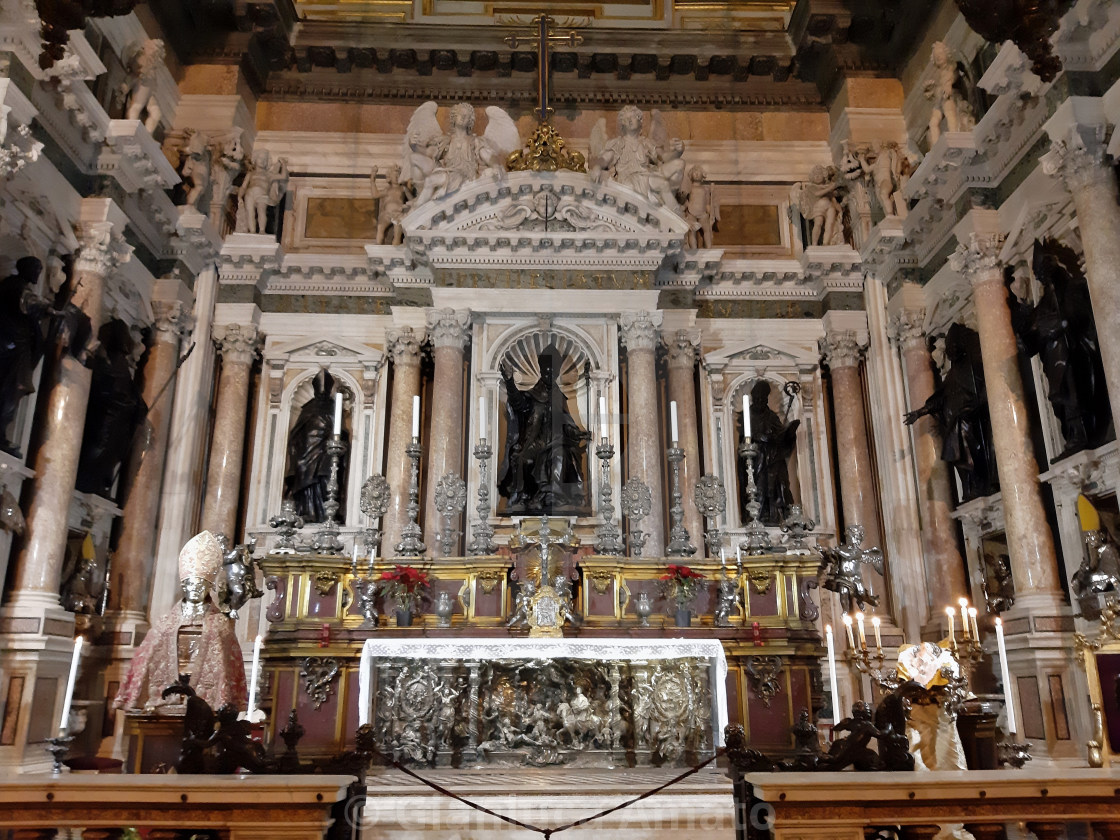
(637, 419)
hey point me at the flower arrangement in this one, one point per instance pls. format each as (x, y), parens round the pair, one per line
(680, 583)
(406, 585)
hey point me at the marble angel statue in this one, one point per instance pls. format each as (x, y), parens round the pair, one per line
(438, 164)
(699, 207)
(649, 165)
(817, 201)
(949, 90)
(138, 90)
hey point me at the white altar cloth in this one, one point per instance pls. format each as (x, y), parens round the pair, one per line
(522, 647)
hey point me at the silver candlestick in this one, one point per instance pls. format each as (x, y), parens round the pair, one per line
(58, 747)
(412, 538)
(325, 539)
(711, 501)
(679, 543)
(482, 540)
(757, 540)
(608, 540)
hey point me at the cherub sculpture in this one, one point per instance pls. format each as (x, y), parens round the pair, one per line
(391, 201)
(224, 170)
(1098, 574)
(438, 164)
(138, 90)
(700, 208)
(945, 90)
(817, 202)
(650, 166)
(841, 568)
(264, 186)
(195, 168)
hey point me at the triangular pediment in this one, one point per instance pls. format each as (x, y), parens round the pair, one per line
(324, 350)
(542, 220)
(762, 353)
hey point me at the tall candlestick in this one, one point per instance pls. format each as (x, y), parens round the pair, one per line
(673, 421)
(832, 671)
(862, 634)
(415, 416)
(972, 621)
(257, 663)
(1008, 701)
(746, 417)
(964, 617)
(64, 721)
(338, 413)
(875, 623)
(482, 430)
(365, 685)
(951, 613)
(602, 417)
(848, 626)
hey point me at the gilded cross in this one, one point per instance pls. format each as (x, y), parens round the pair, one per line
(543, 35)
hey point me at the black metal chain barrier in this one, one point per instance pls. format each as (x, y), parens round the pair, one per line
(548, 832)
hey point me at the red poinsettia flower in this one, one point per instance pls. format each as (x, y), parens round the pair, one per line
(680, 583)
(405, 584)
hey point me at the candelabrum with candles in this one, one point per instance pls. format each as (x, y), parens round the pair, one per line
(865, 659)
(482, 540)
(608, 539)
(325, 539)
(757, 540)
(412, 541)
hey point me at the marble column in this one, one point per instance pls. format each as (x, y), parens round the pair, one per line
(449, 331)
(944, 568)
(1079, 160)
(404, 346)
(843, 352)
(1030, 544)
(39, 564)
(644, 447)
(237, 345)
(681, 349)
(132, 560)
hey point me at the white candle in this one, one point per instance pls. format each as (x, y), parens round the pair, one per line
(738, 555)
(832, 671)
(673, 421)
(722, 557)
(365, 685)
(338, 413)
(602, 417)
(353, 557)
(875, 622)
(64, 721)
(862, 634)
(964, 617)
(972, 620)
(848, 626)
(256, 667)
(482, 430)
(415, 416)
(1008, 702)
(951, 613)
(746, 417)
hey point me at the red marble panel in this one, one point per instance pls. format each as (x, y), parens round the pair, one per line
(293, 597)
(319, 723)
(601, 605)
(769, 726)
(322, 607)
(765, 604)
(799, 690)
(734, 701)
(488, 606)
(450, 585)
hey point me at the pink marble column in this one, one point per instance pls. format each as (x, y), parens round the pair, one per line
(1079, 159)
(1030, 544)
(237, 346)
(449, 332)
(39, 564)
(681, 349)
(132, 560)
(944, 568)
(644, 447)
(404, 346)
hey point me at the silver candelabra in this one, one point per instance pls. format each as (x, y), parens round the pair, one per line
(412, 540)
(679, 543)
(326, 537)
(482, 540)
(757, 540)
(608, 540)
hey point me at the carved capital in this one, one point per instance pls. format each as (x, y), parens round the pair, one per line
(99, 250)
(979, 259)
(639, 329)
(237, 342)
(841, 348)
(449, 328)
(907, 329)
(1079, 158)
(404, 345)
(681, 347)
(172, 320)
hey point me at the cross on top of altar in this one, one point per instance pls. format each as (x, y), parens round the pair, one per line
(541, 35)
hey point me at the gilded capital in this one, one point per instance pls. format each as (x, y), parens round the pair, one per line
(404, 346)
(99, 250)
(907, 329)
(639, 329)
(841, 348)
(237, 342)
(1078, 158)
(449, 327)
(172, 320)
(681, 348)
(978, 259)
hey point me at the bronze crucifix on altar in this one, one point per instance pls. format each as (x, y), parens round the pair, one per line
(543, 35)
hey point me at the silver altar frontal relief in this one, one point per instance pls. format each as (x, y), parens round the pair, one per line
(544, 701)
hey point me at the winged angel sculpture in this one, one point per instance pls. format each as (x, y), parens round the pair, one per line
(841, 569)
(651, 165)
(438, 164)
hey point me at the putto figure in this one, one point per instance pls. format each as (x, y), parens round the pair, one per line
(699, 207)
(264, 186)
(391, 200)
(138, 91)
(816, 200)
(946, 91)
(650, 166)
(841, 568)
(438, 164)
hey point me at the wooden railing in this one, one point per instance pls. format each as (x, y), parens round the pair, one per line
(169, 807)
(1048, 801)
